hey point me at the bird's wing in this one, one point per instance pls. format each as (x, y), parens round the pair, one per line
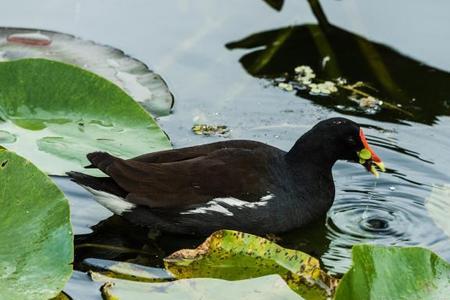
(195, 151)
(239, 172)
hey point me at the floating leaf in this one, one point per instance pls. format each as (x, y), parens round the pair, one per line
(128, 271)
(267, 287)
(208, 130)
(36, 243)
(81, 286)
(59, 113)
(395, 273)
(132, 75)
(233, 255)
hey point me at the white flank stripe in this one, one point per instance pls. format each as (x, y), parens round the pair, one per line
(112, 202)
(267, 197)
(215, 205)
(205, 209)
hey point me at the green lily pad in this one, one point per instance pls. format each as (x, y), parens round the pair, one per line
(58, 113)
(263, 288)
(395, 273)
(130, 74)
(233, 255)
(36, 243)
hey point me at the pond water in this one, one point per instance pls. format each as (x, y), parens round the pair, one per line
(221, 58)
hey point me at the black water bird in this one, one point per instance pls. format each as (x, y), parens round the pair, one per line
(238, 184)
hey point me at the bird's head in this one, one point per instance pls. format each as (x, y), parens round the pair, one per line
(352, 143)
(339, 138)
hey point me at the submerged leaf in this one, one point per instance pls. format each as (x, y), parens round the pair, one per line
(59, 113)
(208, 130)
(132, 75)
(234, 255)
(36, 243)
(395, 273)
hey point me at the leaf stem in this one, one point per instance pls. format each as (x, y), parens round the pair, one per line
(319, 13)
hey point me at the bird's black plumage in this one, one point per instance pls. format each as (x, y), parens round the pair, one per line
(238, 184)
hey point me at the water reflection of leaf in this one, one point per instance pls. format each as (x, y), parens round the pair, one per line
(415, 91)
(275, 4)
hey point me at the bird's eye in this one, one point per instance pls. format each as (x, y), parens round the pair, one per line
(351, 140)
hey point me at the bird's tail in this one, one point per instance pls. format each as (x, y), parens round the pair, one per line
(104, 184)
(101, 161)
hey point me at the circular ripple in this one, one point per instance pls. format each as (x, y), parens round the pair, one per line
(386, 217)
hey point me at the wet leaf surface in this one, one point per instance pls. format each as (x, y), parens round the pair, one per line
(233, 255)
(60, 113)
(132, 75)
(267, 287)
(36, 243)
(81, 287)
(127, 271)
(395, 273)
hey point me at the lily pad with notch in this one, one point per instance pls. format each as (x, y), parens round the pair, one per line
(59, 113)
(130, 74)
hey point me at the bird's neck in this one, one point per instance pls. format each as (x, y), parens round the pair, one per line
(312, 149)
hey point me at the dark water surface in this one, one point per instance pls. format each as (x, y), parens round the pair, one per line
(184, 41)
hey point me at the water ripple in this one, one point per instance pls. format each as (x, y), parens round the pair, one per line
(387, 215)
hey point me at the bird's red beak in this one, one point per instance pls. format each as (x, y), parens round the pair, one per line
(369, 158)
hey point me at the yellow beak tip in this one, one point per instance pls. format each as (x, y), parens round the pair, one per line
(380, 166)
